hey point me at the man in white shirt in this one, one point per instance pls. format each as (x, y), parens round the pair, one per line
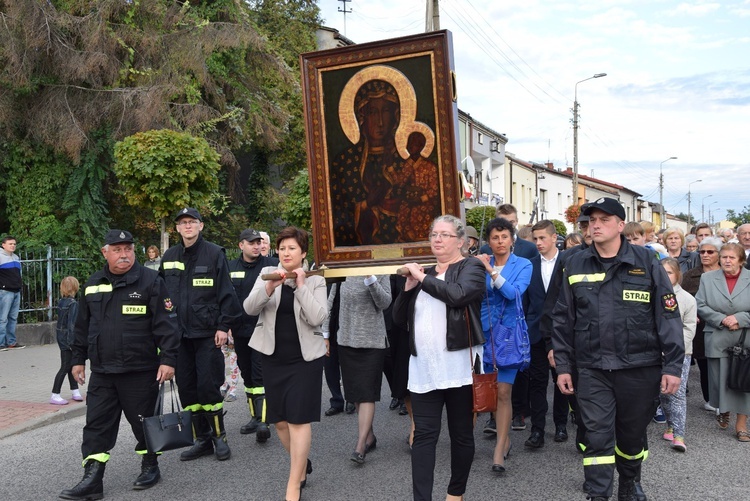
(542, 265)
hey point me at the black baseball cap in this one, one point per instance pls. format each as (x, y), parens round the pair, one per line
(250, 235)
(608, 205)
(188, 212)
(118, 237)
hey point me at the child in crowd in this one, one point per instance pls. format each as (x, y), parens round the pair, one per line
(231, 371)
(675, 406)
(67, 312)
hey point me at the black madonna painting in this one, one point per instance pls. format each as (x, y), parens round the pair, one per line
(380, 121)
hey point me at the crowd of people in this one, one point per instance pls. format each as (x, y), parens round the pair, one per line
(615, 315)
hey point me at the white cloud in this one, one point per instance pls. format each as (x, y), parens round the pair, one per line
(696, 9)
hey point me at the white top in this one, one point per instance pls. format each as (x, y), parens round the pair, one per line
(547, 266)
(434, 367)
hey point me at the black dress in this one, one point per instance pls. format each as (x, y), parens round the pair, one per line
(293, 386)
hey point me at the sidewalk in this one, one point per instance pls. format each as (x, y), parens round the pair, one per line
(26, 378)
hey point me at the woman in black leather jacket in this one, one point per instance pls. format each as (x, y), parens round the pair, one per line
(440, 306)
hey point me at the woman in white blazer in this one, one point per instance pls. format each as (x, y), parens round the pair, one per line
(724, 304)
(290, 313)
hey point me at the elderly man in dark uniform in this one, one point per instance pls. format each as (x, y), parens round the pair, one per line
(197, 277)
(127, 330)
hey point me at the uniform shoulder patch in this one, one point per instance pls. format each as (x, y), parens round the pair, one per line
(669, 301)
(168, 305)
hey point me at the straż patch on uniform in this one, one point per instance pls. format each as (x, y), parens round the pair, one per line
(639, 272)
(669, 301)
(640, 296)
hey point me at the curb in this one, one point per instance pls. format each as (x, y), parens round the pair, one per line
(44, 420)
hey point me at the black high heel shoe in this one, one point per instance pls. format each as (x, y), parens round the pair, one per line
(307, 472)
(498, 468)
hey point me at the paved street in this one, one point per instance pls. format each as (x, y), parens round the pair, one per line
(43, 460)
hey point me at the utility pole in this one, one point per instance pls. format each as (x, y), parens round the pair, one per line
(343, 10)
(575, 135)
(432, 17)
(661, 194)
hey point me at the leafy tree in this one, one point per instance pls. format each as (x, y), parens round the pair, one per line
(163, 169)
(297, 210)
(71, 67)
(560, 227)
(479, 216)
(741, 217)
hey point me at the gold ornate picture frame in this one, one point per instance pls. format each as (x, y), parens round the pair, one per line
(381, 124)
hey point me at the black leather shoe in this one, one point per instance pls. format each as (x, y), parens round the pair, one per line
(626, 490)
(498, 468)
(561, 434)
(350, 408)
(402, 410)
(333, 411)
(394, 404)
(250, 427)
(307, 472)
(536, 440)
(371, 446)
(358, 458)
(91, 486)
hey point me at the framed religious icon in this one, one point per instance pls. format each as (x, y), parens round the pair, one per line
(381, 126)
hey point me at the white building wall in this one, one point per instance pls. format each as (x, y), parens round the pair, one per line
(559, 191)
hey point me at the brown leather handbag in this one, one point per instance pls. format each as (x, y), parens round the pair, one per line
(484, 386)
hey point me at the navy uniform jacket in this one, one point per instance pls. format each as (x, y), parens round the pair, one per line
(244, 275)
(197, 278)
(617, 314)
(126, 323)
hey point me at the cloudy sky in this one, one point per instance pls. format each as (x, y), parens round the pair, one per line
(677, 84)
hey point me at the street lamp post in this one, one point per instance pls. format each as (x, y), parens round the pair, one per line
(709, 210)
(690, 217)
(711, 214)
(661, 192)
(703, 215)
(575, 136)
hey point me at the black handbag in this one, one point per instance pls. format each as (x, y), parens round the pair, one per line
(738, 376)
(166, 432)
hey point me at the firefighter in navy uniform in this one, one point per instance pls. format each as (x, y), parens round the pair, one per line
(128, 332)
(244, 271)
(197, 277)
(617, 323)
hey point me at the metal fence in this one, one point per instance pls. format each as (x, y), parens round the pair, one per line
(42, 271)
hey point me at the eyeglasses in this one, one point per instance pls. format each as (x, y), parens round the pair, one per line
(191, 222)
(442, 236)
(709, 252)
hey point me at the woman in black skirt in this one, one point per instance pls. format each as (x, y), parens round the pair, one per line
(289, 310)
(362, 344)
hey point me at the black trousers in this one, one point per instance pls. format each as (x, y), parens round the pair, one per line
(200, 374)
(428, 412)
(538, 382)
(616, 407)
(66, 358)
(108, 397)
(332, 373)
(249, 362)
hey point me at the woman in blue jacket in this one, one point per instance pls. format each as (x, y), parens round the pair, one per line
(508, 276)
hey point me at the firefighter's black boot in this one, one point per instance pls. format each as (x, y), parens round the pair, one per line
(251, 425)
(263, 432)
(626, 489)
(91, 486)
(203, 445)
(219, 435)
(150, 473)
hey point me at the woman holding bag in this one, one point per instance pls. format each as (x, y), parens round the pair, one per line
(441, 305)
(508, 277)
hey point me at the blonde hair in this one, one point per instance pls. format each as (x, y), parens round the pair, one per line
(675, 265)
(69, 287)
(678, 231)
